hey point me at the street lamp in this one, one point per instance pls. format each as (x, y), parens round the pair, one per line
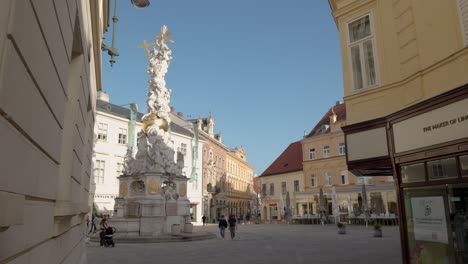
(112, 50)
(140, 3)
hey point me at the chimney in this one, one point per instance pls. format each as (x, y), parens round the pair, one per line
(172, 109)
(103, 96)
(219, 137)
(180, 114)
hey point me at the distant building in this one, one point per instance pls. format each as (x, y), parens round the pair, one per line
(226, 190)
(324, 161)
(113, 134)
(282, 176)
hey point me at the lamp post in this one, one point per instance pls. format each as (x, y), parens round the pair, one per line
(112, 50)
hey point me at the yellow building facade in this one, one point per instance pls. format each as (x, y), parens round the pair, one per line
(240, 193)
(405, 72)
(283, 178)
(324, 167)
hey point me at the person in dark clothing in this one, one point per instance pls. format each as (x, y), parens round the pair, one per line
(204, 219)
(232, 226)
(222, 226)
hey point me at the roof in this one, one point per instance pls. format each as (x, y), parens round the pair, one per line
(290, 160)
(123, 112)
(323, 126)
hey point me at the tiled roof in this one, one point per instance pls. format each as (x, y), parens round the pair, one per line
(290, 160)
(123, 112)
(323, 126)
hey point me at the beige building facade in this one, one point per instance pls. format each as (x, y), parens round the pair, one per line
(406, 89)
(283, 178)
(324, 167)
(50, 71)
(240, 192)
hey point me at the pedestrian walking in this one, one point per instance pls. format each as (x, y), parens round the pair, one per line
(95, 222)
(232, 226)
(222, 226)
(204, 220)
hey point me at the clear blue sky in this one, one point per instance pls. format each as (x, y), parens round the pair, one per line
(267, 69)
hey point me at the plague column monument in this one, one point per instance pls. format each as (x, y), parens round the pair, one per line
(153, 193)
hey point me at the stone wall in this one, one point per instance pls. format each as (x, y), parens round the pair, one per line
(49, 75)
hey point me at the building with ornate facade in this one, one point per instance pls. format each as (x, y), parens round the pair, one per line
(240, 194)
(114, 135)
(220, 196)
(406, 89)
(50, 71)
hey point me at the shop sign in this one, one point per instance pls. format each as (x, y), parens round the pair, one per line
(429, 219)
(367, 144)
(272, 204)
(441, 125)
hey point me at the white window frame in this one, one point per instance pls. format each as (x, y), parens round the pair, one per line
(313, 181)
(311, 154)
(283, 187)
(328, 179)
(183, 148)
(342, 148)
(296, 186)
(123, 136)
(374, 52)
(102, 130)
(344, 174)
(327, 153)
(99, 169)
(119, 168)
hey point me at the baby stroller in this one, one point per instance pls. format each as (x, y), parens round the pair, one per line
(107, 236)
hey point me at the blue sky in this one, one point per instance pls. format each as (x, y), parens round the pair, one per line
(267, 69)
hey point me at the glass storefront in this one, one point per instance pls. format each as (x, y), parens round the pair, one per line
(436, 215)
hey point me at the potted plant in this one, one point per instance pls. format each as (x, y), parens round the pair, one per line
(377, 230)
(341, 228)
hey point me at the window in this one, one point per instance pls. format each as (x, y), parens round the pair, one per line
(344, 178)
(365, 180)
(361, 52)
(313, 181)
(119, 168)
(283, 187)
(326, 151)
(102, 131)
(183, 148)
(296, 186)
(328, 178)
(312, 154)
(211, 155)
(463, 12)
(122, 136)
(99, 166)
(444, 168)
(342, 148)
(272, 189)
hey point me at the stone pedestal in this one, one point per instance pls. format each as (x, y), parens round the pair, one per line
(143, 208)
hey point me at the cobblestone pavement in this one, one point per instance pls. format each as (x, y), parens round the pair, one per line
(265, 243)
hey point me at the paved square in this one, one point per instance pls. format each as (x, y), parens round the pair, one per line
(265, 243)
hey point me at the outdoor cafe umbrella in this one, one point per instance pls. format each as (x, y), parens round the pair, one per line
(288, 205)
(364, 203)
(322, 204)
(336, 209)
